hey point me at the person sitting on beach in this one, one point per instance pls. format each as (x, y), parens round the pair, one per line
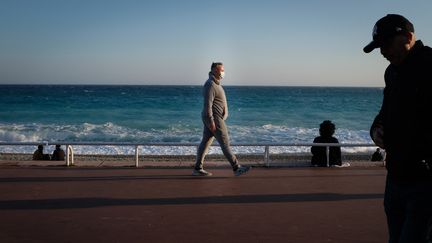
(58, 153)
(377, 155)
(39, 155)
(319, 156)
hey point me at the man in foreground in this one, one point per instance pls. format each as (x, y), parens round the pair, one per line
(402, 128)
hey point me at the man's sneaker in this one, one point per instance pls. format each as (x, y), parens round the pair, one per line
(201, 172)
(241, 170)
(344, 164)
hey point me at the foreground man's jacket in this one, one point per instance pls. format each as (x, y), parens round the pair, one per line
(405, 116)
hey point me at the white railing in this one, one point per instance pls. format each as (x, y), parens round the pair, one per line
(70, 151)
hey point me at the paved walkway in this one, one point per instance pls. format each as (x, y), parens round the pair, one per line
(58, 204)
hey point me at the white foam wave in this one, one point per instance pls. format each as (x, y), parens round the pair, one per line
(110, 132)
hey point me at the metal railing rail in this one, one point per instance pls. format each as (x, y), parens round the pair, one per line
(70, 151)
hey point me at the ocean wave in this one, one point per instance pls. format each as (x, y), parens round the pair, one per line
(111, 132)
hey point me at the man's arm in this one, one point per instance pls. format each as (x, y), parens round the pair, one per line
(377, 128)
(209, 95)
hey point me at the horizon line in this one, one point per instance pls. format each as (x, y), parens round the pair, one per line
(226, 85)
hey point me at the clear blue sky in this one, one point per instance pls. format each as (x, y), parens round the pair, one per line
(268, 42)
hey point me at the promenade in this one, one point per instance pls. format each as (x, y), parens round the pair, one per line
(122, 204)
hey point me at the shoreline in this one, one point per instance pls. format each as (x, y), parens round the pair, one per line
(188, 161)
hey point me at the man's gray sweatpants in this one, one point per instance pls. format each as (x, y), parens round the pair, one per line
(221, 135)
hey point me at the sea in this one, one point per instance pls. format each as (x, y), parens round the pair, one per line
(140, 114)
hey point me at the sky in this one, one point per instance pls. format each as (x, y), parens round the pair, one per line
(167, 42)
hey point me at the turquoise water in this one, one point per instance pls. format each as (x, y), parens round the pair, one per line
(32, 113)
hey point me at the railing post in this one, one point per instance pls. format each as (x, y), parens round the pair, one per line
(267, 155)
(136, 156)
(67, 155)
(328, 155)
(72, 155)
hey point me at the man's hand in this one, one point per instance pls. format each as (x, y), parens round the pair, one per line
(378, 135)
(212, 127)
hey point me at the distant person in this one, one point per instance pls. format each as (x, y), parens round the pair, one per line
(319, 155)
(58, 153)
(377, 155)
(39, 155)
(214, 113)
(403, 128)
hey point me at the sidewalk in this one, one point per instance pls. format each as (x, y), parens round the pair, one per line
(111, 204)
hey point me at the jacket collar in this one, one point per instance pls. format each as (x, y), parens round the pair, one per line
(414, 51)
(213, 78)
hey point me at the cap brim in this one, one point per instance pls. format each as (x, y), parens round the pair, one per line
(371, 46)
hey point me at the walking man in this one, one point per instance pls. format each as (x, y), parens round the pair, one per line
(214, 114)
(403, 128)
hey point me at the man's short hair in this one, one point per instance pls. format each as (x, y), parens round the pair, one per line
(215, 64)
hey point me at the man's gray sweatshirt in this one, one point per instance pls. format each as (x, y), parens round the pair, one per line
(215, 103)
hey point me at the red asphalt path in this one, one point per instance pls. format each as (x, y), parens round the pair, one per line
(58, 204)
